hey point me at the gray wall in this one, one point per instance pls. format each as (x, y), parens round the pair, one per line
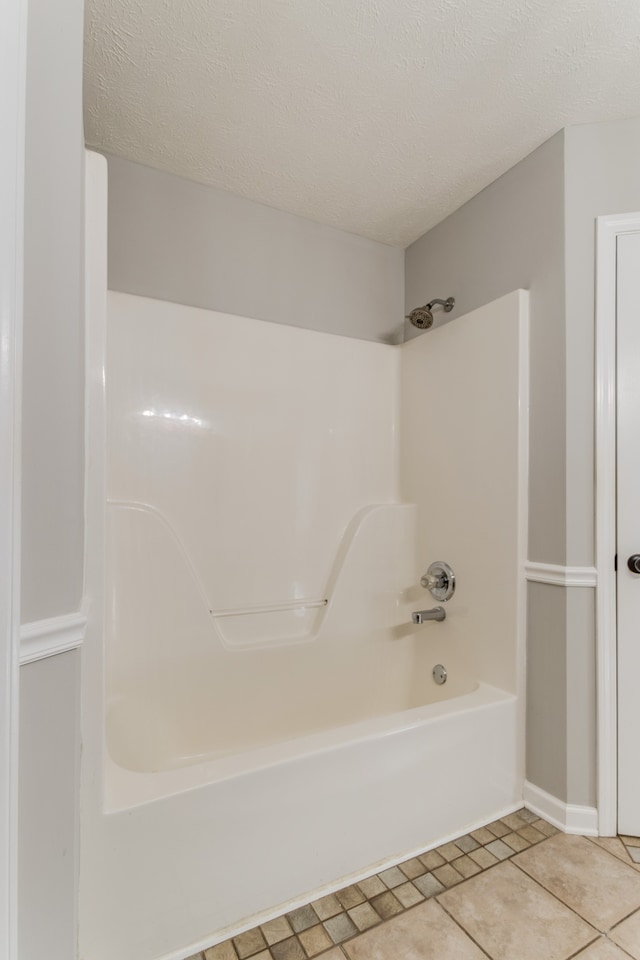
(512, 235)
(173, 239)
(48, 791)
(602, 162)
(53, 378)
(52, 475)
(546, 724)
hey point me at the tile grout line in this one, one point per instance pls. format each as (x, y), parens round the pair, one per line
(622, 949)
(585, 946)
(616, 925)
(601, 933)
(626, 952)
(459, 925)
(630, 863)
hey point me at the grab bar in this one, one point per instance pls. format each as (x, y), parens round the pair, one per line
(270, 608)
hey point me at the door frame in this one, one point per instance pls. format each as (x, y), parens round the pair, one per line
(13, 42)
(608, 229)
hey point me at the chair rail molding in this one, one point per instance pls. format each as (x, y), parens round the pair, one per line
(47, 638)
(560, 576)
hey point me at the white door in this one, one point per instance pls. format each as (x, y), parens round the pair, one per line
(628, 534)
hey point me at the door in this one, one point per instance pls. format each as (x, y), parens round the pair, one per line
(628, 531)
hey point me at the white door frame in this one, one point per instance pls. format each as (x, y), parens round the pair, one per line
(608, 229)
(13, 17)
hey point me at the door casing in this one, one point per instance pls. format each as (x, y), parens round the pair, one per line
(13, 40)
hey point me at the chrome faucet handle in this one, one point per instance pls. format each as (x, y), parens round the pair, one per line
(440, 580)
(431, 582)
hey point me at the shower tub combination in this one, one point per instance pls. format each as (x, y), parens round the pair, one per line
(260, 720)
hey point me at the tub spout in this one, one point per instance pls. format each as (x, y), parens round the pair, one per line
(421, 616)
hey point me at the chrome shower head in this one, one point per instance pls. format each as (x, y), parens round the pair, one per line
(422, 317)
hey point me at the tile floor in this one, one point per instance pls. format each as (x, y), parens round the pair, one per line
(513, 890)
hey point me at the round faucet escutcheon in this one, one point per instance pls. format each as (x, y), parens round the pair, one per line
(440, 580)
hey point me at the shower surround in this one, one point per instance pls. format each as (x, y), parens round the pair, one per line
(260, 722)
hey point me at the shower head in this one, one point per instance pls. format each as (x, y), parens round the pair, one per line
(422, 317)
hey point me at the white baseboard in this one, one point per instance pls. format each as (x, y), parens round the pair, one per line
(568, 817)
(46, 638)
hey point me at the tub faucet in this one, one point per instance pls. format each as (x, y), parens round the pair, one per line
(421, 616)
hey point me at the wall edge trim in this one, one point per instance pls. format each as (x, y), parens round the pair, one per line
(568, 817)
(560, 576)
(46, 638)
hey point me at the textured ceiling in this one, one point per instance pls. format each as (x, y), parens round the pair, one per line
(380, 117)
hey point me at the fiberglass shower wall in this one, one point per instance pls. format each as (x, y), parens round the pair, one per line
(244, 459)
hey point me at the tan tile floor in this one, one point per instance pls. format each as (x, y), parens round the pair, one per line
(513, 890)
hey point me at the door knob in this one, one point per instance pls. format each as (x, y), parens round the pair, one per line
(634, 563)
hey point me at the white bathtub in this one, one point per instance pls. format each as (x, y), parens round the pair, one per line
(212, 847)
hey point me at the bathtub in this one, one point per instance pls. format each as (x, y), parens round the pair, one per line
(215, 847)
(204, 809)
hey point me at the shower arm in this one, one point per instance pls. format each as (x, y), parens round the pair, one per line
(448, 304)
